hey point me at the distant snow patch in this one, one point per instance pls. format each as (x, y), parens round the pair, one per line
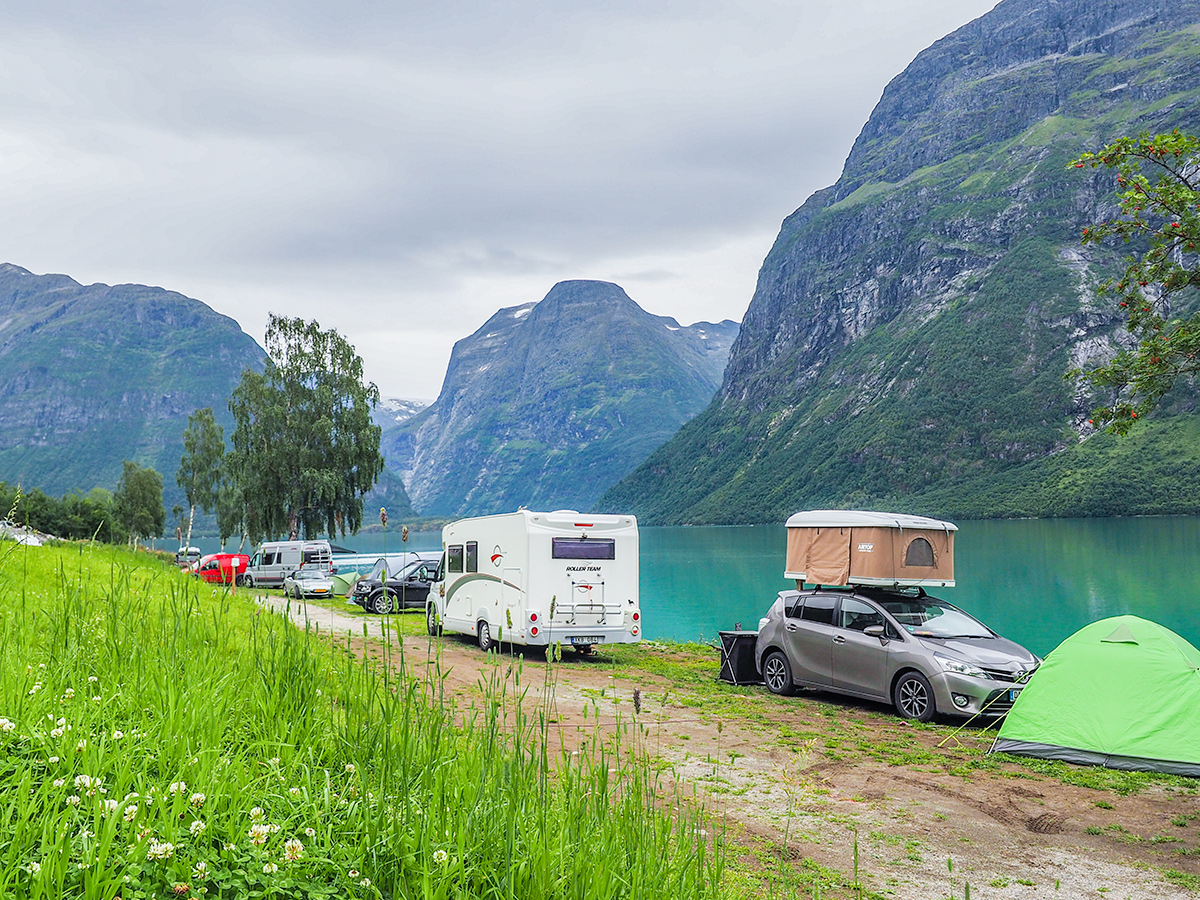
(671, 328)
(522, 313)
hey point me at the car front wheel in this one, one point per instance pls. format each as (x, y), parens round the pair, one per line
(777, 673)
(913, 697)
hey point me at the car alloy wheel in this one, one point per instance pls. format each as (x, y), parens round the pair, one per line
(777, 674)
(913, 697)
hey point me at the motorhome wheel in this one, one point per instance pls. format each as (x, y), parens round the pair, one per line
(248, 580)
(484, 635)
(431, 621)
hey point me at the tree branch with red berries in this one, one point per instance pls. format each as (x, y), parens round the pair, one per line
(1158, 191)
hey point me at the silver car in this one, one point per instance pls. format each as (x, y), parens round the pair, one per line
(921, 654)
(308, 581)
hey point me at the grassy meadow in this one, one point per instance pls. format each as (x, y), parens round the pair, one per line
(163, 738)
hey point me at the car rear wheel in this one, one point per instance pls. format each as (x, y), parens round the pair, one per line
(777, 673)
(484, 635)
(913, 697)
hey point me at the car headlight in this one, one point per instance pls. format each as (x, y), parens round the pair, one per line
(957, 665)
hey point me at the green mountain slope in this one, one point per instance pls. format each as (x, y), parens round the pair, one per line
(549, 403)
(908, 339)
(92, 375)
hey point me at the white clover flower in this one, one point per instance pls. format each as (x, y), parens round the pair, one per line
(294, 791)
(230, 846)
(117, 735)
(366, 882)
(92, 679)
(353, 873)
(197, 828)
(256, 813)
(273, 828)
(35, 868)
(160, 850)
(69, 694)
(56, 732)
(274, 760)
(81, 746)
(111, 806)
(293, 849)
(131, 812)
(179, 788)
(7, 724)
(197, 799)
(200, 871)
(310, 832)
(52, 760)
(73, 800)
(258, 834)
(441, 857)
(59, 782)
(270, 869)
(350, 768)
(37, 686)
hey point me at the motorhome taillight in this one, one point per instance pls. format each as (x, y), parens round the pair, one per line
(583, 524)
(636, 616)
(634, 630)
(533, 617)
(533, 631)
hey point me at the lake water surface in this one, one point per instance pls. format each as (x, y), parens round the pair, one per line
(1035, 581)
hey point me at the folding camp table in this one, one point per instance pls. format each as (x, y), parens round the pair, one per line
(737, 657)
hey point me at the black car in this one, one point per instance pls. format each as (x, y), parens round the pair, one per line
(407, 586)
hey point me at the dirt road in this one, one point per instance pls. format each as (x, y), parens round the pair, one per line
(797, 781)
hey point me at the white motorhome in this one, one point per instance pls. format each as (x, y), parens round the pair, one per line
(275, 560)
(539, 578)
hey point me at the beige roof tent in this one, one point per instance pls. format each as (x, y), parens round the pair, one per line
(846, 546)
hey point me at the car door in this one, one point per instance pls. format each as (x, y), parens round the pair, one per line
(808, 636)
(416, 586)
(860, 660)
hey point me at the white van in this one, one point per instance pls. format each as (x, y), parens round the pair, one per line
(275, 560)
(538, 578)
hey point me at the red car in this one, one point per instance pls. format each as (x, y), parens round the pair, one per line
(222, 568)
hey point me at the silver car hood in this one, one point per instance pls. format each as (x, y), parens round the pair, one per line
(992, 653)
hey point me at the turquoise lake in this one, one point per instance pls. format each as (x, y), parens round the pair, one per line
(1035, 581)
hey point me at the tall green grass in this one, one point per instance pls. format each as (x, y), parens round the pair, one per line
(163, 738)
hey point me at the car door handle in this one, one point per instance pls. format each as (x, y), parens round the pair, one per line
(790, 627)
(838, 639)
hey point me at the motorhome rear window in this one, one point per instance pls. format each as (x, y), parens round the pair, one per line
(311, 556)
(472, 556)
(454, 558)
(584, 548)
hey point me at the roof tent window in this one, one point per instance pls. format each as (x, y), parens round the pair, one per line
(584, 548)
(454, 558)
(472, 556)
(919, 553)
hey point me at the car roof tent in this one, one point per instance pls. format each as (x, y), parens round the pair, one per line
(847, 546)
(1120, 693)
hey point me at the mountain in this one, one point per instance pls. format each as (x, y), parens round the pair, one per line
(912, 325)
(551, 402)
(92, 375)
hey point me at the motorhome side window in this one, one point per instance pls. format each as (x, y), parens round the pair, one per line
(472, 556)
(583, 548)
(454, 558)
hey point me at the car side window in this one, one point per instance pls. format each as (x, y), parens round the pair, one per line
(857, 615)
(819, 608)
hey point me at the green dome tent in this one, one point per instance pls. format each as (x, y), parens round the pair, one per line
(1123, 693)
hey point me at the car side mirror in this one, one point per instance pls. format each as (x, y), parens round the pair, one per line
(873, 631)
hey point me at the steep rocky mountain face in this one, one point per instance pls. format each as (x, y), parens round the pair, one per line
(907, 342)
(93, 375)
(551, 402)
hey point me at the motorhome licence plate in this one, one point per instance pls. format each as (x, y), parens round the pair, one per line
(587, 639)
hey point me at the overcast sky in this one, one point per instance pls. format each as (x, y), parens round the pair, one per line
(400, 171)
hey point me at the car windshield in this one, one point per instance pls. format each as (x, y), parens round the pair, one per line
(309, 574)
(930, 617)
(411, 568)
